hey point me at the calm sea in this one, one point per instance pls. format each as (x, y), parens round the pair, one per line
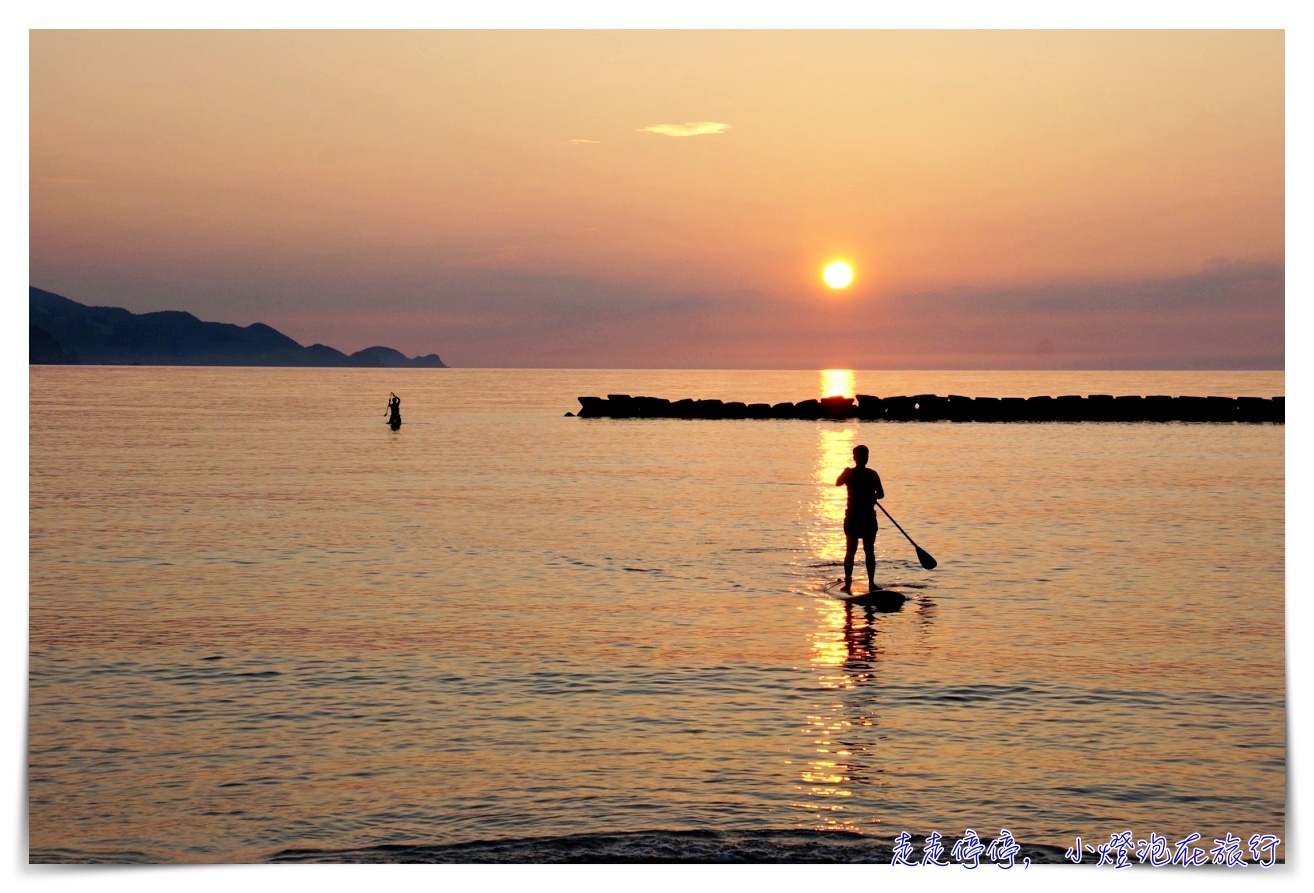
(265, 627)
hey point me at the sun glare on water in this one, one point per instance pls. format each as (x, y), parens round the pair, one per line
(837, 274)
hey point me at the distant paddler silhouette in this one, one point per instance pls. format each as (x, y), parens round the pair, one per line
(394, 412)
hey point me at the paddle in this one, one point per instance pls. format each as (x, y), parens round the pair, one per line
(923, 556)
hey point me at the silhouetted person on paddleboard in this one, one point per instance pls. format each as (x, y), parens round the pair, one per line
(860, 514)
(394, 412)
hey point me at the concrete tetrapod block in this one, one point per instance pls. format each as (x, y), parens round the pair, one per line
(957, 408)
(809, 409)
(1013, 409)
(837, 407)
(900, 409)
(930, 407)
(1129, 409)
(870, 408)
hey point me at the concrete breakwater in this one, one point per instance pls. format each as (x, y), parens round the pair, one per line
(933, 408)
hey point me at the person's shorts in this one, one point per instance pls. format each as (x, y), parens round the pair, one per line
(862, 528)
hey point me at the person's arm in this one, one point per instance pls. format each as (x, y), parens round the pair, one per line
(843, 478)
(880, 491)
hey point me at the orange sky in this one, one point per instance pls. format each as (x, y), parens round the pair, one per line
(1026, 199)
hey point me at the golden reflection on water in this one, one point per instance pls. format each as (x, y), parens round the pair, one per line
(841, 651)
(829, 649)
(834, 453)
(837, 382)
(844, 769)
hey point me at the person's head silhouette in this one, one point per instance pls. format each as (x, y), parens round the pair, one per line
(860, 454)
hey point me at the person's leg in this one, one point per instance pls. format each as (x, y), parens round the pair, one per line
(869, 547)
(850, 550)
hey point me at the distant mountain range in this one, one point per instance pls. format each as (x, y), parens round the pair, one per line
(62, 331)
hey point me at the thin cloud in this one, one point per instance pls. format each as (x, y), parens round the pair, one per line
(584, 141)
(691, 128)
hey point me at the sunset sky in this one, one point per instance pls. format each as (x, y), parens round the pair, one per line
(1006, 199)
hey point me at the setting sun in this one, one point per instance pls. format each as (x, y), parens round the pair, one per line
(838, 274)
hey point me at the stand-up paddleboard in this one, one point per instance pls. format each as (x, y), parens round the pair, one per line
(878, 599)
